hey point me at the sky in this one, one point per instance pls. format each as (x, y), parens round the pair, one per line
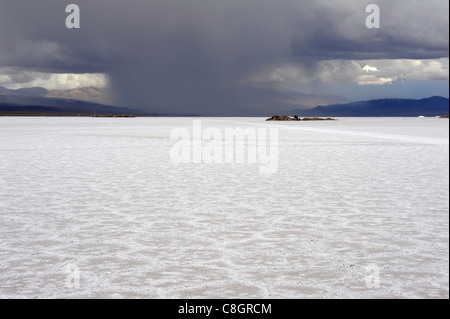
(228, 57)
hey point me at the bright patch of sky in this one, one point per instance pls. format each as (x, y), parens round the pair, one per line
(15, 79)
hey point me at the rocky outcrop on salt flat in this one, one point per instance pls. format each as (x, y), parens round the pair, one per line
(296, 118)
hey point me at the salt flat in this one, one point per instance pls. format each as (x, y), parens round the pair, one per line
(101, 196)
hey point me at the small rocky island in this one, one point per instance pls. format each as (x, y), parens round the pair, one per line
(297, 118)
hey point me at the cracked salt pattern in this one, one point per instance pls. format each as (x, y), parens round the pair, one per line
(102, 194)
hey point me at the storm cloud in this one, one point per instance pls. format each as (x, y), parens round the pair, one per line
(199, 56)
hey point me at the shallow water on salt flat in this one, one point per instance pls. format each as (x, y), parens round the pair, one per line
(102, 195)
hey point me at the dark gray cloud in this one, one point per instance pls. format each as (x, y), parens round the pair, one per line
(193, 56)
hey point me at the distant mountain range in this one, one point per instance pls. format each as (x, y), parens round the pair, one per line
(84, 101)
(432, 106)
(39, 101)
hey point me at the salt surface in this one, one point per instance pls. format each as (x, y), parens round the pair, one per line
(102, 195)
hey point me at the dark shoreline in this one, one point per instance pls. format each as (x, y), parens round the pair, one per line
(69, 114)
(25, 114)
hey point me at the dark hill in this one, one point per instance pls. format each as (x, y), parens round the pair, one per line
(432, 106)
(34, 104)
